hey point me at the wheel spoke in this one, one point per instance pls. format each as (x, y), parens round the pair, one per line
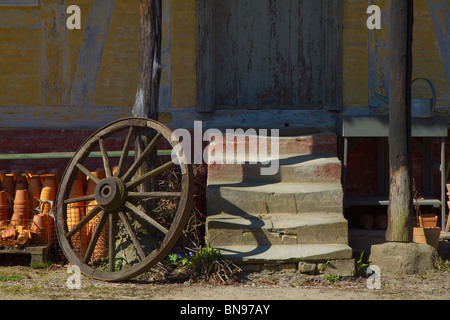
(134, 183)
(84, 221)
(87, 172)
(112, 242)
(131, 233)
(80, 199)
(156, 194)
(130, 173)
(104, 153)
(96, 234)
(124, 155)
(146, 218)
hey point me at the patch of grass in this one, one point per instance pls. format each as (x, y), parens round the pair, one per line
(11, 277)
(41, 265)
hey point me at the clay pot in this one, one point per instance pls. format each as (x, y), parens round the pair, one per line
(4, 208)
(22, 204)
(40, 228)
(23, 236)
(48, 193)
(428, 236)
(428, 221)
(381, 221)
(8, 232)
(21, 182)
(366, 221)
(18, 219)
(75, 212)
(9, 185)
(34, 191)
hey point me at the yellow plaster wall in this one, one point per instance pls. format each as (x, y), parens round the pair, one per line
(117, 81)
(20, 81)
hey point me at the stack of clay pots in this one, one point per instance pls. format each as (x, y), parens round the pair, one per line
(75, 212)
(26, 200)
(4, 208)
(48, 194)
(21, 209)
(101, 248)
(9, 185)
(34, 191)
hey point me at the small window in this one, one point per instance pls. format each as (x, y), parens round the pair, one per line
(19, 3)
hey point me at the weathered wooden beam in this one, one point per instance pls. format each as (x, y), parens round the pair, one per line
(400, 209)
(147, 96)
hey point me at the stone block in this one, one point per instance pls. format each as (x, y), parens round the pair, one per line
(403, 257)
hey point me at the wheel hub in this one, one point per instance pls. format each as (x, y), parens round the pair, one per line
(110, 193)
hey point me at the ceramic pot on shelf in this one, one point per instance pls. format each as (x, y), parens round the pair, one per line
(428, 221)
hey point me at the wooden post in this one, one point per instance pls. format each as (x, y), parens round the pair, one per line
(147, 96)
(400, 210)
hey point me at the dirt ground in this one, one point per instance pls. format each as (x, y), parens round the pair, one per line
(49, 283)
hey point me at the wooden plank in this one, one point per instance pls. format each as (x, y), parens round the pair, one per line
(205, 56)
(378, 77)
(332, 69)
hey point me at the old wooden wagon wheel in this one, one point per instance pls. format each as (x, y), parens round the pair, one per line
(122, 229)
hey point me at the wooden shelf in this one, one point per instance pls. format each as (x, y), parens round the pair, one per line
(384, 201)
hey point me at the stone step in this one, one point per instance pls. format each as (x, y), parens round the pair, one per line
(303, 143)
(268, 254)
(289, 168)
(274, 198)
(317, 228)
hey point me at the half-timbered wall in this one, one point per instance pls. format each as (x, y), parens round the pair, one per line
(58, 78)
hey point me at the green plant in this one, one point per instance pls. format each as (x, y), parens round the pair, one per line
(206, 260)
(361, 265)
(441, 265)
(332, 278)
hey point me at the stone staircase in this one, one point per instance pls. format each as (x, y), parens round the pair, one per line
(293, 216)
